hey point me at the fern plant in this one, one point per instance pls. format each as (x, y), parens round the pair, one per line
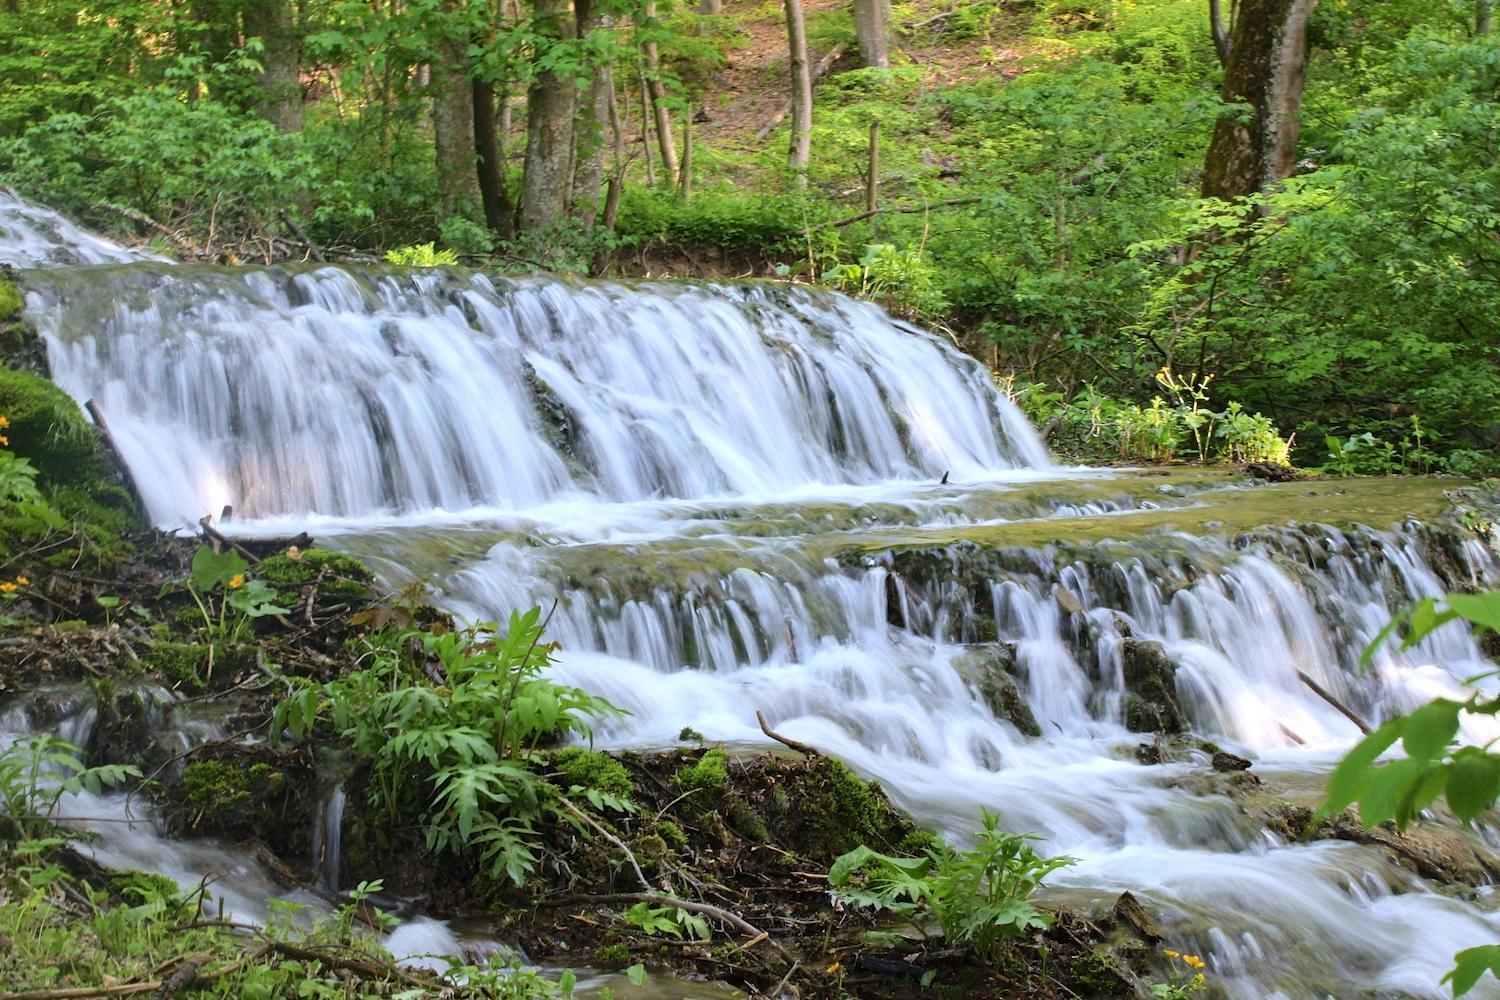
(37, 771)
(979, 897)
(465, 710)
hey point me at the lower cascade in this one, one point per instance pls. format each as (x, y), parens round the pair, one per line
(762, 498)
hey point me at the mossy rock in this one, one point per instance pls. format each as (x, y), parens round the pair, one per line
(591, 769)
(709, 775)
(245, 793)
(340, 573)
(11, 302)
(182, 664)
(48, 428)
(1151, 685)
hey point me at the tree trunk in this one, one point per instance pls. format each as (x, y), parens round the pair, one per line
(658, 103)
(499, 213)
(453, 131)
(274, 22)
(1482, 17)
(590, 125)
(801, 146)
(1219, 32)
(1267, 69)
(711, 7)
(872, 25)
(551, 104)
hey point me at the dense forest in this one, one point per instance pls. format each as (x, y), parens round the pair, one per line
(1084, 193)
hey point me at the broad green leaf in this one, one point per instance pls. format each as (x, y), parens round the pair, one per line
(1470, 965)
(1428, 731)
(1381, 797)
(1482, 610)
(1474, 783)
(1347, 779)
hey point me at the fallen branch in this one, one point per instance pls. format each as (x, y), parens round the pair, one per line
(114, 452)
(599, 829)
(214, 534)
(692, 906)
(1327, 696)
(795, 745)
(823, 66)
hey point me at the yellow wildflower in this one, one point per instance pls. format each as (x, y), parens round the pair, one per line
(1198, 981)
(236, 581)
(1170, 953)
(6, 588)
(4, 440)
(22, 580)
(834, 969)
(1193, 960)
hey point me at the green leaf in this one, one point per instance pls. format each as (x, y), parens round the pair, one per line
(1348, 778)
(1474, 783)
(1384, 790)
(1428, 731)
(1470, 965)
(636, 974)
(1482, 610)
(211, 569)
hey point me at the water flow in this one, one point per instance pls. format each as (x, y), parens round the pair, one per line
(731, 492)
(352, 392)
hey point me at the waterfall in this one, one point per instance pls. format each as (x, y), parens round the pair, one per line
(733, 493)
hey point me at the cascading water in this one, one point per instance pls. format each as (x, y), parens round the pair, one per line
(733, 494)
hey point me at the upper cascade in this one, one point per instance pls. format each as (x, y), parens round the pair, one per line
(356, 392)
(32, 236)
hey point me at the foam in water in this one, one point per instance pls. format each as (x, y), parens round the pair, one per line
(731, 492)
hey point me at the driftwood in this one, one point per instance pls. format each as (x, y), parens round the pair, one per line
(821, 69)
(114, 452)
(1327, 696)
(794, 744)
(213, 534)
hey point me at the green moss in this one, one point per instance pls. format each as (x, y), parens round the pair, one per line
(592, 769)
(182, 663)
(47, 427)
(215, 785)
(710, 774)
(747, 821)
(340, 573)
(918, 843)
(856, 805)
(671, 834)
(611, 956)
(11, 302)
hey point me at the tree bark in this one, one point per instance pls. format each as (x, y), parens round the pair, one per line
(659, 110)
(589, 127)
(551, 104)
(1483, 17)
(453, 130)
(1217, 28)
(274, 22)
(1267, 69)
(801, 145)
(873, 27)
(499, 213)
(711, 7)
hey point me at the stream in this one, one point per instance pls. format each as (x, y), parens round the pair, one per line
(770, 497)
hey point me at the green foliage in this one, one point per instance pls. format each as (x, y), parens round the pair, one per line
(1468, 777)
(422, 255)
(590, 769)
(980, 897)
(334, 572)
(463, 713)
(904, 279)
(37, 771)
(241, 600)
(672, 921)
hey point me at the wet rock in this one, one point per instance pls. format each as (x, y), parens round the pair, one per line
(1229, 762)
(1150, 680)
(989, 670)
(1271, 472)
(1130, 913)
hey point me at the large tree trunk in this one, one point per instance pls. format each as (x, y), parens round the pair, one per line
(796, 35)
(711, 7)
(1267, 68)
(658, 103)
(873, 26)
(499, 213)
(274, 22)
(453, 131)
(1482, 17)
(550, 105)
(591, 123)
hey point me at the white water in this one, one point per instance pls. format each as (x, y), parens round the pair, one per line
(687, 486)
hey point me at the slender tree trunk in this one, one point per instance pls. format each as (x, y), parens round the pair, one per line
(873, 27)
(1218, 30)
(872, 178)
(499, 213)
(551, 104)
(1482, 17)
(589, 138)
(659, 110)
(274, 22)
(1267, 69)
(801, 147)
(453, 131)
(687, 158)
(711, 7)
